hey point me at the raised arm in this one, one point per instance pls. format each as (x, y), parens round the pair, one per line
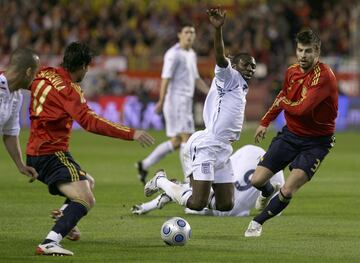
(217, 19)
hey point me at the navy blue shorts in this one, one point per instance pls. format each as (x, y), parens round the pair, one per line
(59, 167)
(305, 153)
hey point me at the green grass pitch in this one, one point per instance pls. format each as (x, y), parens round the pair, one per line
(322, 223)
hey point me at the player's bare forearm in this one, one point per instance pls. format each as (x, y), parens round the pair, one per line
(221, 60)
(13, 147)
(217, 19)
(201, 86)
(163, 89)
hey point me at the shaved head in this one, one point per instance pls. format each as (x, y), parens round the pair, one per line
(23, 58)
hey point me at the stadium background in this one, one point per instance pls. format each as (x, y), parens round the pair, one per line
(130, 38)
(321, 224)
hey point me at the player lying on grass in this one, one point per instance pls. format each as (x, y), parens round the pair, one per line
(244, 162)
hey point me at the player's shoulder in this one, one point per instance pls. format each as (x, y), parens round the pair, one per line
(325, 68)
(293, 67)
(173, 49)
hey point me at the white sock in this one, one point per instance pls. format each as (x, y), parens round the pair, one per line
(54, 236)
(151, 205)
(178, 193)
(157, 154)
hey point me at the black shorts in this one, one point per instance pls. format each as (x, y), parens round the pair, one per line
(305, 153)
(59, 167)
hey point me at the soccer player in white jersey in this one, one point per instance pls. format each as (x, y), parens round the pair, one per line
(19, 74)
(179, 76)
(211, 148)
(244, 162)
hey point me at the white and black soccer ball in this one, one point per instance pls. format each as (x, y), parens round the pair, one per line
(176, 231)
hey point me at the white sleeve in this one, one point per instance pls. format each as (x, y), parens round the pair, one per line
(223, 77)
(170, 63)
(12, 126)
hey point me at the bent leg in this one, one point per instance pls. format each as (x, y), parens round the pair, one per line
(200, 194)
(224, 196)
(81, 201)
(294, 182)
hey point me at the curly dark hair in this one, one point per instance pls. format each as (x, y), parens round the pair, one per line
(77, 55)
(307, 37)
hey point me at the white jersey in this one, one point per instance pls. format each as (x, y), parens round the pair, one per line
(10, 104)
(244, 162)
(180, 66)
(224, 107)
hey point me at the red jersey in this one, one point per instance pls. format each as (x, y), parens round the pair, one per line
(309, 101)
(55, 102)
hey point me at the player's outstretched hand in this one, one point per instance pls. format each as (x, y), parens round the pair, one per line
(216, 16)
(143, 138)
(260, 133)
(30, 172)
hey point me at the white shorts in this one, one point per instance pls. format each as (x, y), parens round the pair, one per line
(178, 115)
(208, 159)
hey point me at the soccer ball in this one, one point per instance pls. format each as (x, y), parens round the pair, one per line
(176, 231)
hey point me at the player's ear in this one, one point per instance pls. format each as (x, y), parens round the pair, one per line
(29, 72)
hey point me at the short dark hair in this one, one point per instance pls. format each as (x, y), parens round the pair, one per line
(307, 36)
(77, 55)
(23, 58)
(183, 24)
(240, 56)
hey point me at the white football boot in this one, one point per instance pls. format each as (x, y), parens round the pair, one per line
(151, 186)
(52, 249)
(164, 199)
(262, 201)
(254, 229)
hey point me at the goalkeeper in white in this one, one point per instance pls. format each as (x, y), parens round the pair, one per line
(244, 162)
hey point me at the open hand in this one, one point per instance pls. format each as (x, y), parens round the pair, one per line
(216, 16)
(143, 138)
(30, 172)
(260, 133)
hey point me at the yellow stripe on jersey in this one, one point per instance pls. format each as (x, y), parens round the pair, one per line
(38, 87)
(317, 76)
(72, 169)
(42, 99)
(117, 126)
(78, 89)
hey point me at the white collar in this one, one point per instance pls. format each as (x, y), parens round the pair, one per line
(4, 84)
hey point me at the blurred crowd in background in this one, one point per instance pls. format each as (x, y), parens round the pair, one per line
(142, 30)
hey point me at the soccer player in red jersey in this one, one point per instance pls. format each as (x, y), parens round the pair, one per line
(57, 100)
(309, 99)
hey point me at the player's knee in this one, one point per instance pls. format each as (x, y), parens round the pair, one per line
(199, 205)
(286, 192)
(91, 181)
(176, 141)
(256, 183)
(226, 206)
(91, 201)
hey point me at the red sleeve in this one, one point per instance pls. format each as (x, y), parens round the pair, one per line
(273, 112)
(75, 105)
(319, 90)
